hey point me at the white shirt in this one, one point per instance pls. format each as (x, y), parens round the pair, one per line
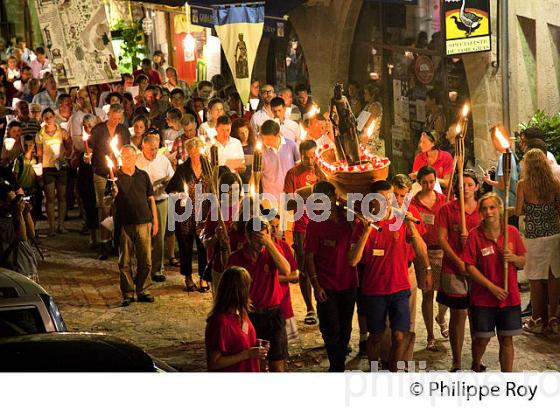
(75, 127)
(293, 113)
(160, 172)
(231, 151)
(170, 134)
(551, 157)
(258, 119)
(206, 133)
(290, 129)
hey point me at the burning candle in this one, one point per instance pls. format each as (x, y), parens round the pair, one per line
(114, 147)
(110, 164)
(313, 111)
(55, 147)
(201, 115)
(257, 157)
(38, 169)
(9, 143)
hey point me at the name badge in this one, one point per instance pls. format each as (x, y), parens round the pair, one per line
(379, 252)
(329, 243)
(428, 219)
(488, 251)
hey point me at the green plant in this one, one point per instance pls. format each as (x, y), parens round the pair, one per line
(549, 125)
(132, 48)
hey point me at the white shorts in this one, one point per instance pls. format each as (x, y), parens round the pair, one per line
(543, 254)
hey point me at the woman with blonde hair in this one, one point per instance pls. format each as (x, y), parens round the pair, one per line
(538, 196)
(231, 341)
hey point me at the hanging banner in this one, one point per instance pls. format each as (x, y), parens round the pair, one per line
(78, 39)
(240, 29)
(467, 26)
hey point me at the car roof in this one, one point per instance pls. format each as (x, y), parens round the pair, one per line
(11, 281)
(72, 352)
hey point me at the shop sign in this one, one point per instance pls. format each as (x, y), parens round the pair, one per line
(202, 16)
(275, 28)
(467, 26)
(424, 69)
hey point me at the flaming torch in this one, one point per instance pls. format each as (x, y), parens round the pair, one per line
(111, 165)
(506, 168)
(257, 166)
(115, 149)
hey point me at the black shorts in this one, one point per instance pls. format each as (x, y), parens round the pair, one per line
(461, 302)
(487, 321)
(270, 325)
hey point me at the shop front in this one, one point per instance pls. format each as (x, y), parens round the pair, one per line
(399, 46)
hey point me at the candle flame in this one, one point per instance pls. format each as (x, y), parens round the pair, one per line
(303, 132)
(501, 139)
(466, 110)
(258, 147)
(252, 191)
(85, 135)
(313, 111)
(110, 163)
(458, 129)
(370, 129)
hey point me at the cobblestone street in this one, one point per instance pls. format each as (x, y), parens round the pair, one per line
(172, 328)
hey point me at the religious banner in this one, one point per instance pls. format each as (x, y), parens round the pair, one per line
(240, 29)
(467, 26)
(78, 39)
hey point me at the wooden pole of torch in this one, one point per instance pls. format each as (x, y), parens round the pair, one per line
(506, 167)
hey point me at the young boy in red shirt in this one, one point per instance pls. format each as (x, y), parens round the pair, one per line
(494, 310)
(266, 264)
(334, 280)
(303, 175)
(385, 286)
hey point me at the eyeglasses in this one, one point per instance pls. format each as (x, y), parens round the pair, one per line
(268, 92)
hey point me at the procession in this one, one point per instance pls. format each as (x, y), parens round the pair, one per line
(393, 217)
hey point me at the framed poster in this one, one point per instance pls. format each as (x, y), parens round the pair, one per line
(467, 26)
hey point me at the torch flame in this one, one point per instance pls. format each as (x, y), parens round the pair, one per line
(370, 129)
(466, 109)
(302, 132)
(252, 191)
(458, 129)
(85, 135)
(313, 111)
(110, 163)
(258, 147)
(501, 139)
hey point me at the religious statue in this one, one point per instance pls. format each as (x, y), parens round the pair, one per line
(344, 124)
(241, 59)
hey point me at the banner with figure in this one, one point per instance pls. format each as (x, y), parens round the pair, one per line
(78, 39)
(240, 29)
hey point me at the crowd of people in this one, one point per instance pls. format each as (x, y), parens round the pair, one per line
(119, 150)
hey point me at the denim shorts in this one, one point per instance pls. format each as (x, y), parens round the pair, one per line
(378, 307)
(487, 321)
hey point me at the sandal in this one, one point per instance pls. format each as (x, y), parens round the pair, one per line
(443, 328)
(431, 345)
(203, 289)
(310, 318)
(553, 325)
(535, 326)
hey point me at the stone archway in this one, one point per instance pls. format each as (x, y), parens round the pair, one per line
(325, 29)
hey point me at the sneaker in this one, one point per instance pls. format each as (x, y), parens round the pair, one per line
(310, 318)
(534, 326)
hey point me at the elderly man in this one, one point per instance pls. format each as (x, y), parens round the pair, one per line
(100, 145)
(49, 97)
(29, 126)
(160, 171)
(288, 129)
(136, 210)
(265, 113)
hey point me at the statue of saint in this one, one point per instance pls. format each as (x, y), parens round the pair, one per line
(241, 59)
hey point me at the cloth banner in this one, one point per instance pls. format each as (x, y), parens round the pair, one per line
(78, 39)
(240, 29)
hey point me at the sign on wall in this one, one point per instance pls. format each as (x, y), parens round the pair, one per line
(467, 26)
(78, 39)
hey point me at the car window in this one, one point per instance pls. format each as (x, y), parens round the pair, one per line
(20, 321)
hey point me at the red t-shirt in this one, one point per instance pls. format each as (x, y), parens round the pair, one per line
(225, 334)
(299, 177)
(428, 217)
(286, 304)
(385, 259)
(153, 76)
(420, 228)
(329, 242)
(237, 239)
(449, 217)
(265, 289)
(487, 257)
(443, 163)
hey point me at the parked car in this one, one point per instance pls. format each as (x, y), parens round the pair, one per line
(75, 352)
(25, 307)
